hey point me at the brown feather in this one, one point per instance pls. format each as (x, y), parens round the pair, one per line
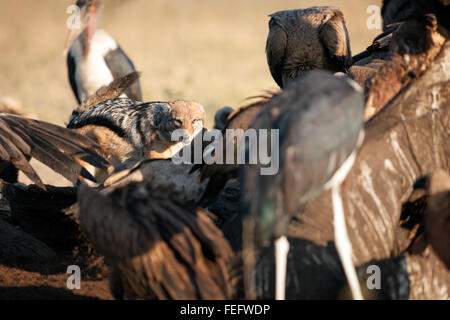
(415, 46)
(57, 147)
(111, 91)
(160, 247)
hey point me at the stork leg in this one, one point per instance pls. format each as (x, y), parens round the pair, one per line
(343, 245)
(281, 255)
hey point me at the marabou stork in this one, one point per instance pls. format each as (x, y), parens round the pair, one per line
(94, 59)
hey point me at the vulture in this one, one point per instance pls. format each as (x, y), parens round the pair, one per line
(61, 149)
(94, 58)
(129, 130)
(320, 122)
(159, 246)
(303, 40)
(437, 216)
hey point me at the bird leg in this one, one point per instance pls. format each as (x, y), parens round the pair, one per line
(281, 254)
(343, 245)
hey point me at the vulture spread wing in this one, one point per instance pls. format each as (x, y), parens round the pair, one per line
(61, 149)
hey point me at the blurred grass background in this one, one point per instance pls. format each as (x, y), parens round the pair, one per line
(211, 51)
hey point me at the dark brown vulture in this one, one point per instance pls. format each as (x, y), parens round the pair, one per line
(437, 219)
(63, 150)
(303, 40)
(160, 247)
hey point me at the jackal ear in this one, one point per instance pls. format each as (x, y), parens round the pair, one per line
(160, 113)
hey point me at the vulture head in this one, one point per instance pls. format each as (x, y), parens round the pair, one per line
(303, 40)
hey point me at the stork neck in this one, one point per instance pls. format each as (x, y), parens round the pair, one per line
(89, 30)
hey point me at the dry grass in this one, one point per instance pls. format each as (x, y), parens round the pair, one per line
(211, 51)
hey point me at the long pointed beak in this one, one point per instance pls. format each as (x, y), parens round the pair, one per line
(71, 37)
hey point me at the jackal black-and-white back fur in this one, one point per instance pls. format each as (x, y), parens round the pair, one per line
(126, 129)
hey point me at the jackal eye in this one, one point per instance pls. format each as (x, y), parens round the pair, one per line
(177, 122)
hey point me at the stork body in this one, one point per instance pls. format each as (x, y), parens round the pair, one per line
(95, 59)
